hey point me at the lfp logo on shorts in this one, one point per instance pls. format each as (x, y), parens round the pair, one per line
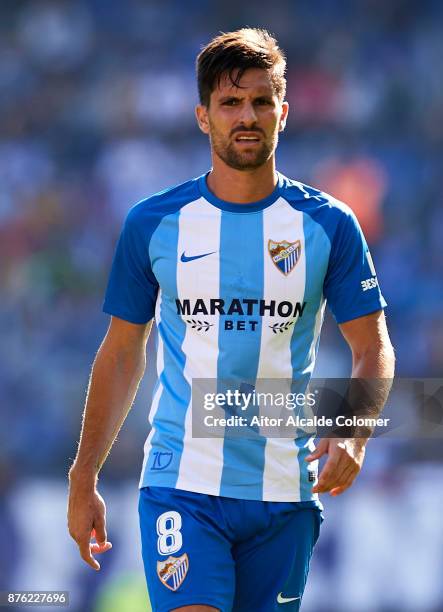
(284, 254)
(173, 571)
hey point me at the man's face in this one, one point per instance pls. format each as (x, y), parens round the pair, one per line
(243, 122)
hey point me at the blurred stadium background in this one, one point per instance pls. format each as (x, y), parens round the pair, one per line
(96, 112)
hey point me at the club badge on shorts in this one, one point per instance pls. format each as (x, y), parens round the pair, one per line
(284, 254)
(173, 571)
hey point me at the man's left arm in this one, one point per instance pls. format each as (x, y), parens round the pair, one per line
(372, 359)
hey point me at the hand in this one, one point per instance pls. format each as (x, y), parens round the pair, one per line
(344, 462)
(87, 520)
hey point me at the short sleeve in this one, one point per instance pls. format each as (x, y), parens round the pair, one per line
(132, 287)
(351, 285)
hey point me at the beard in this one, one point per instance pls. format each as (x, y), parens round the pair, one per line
(242, 160)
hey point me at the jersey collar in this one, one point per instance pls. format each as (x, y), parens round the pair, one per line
(240, 208)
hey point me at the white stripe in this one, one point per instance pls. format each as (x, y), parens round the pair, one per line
(156, 399)
(201, 462)
(370, 263)
(281, 477)
(183, 568)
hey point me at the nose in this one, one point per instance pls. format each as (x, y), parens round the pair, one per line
(248, 116)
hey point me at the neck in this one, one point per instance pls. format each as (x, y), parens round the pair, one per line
(242, 186)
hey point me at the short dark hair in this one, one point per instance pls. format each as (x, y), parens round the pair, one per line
(236, 52)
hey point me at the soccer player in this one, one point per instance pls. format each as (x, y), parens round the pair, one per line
(235, 267)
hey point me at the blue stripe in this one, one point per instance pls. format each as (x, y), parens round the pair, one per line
(239, 350)
(317, 247)
(169, 421)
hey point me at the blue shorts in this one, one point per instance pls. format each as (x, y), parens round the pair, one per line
(232, 554)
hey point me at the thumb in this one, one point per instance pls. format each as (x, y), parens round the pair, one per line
(321, 450)
(99, 530)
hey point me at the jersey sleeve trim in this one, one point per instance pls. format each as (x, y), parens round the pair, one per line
(362, 312)
(125, 316)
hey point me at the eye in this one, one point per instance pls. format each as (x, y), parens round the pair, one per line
(230, 102)
(263, 101)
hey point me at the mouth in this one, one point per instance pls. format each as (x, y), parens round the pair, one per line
(248, 139)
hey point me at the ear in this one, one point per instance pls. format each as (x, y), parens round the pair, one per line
(283, 116)
(201, 113)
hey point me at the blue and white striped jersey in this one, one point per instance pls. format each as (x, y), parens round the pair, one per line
(243, 271)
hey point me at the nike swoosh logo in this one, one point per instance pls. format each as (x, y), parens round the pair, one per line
(184, 258)
(281, 599)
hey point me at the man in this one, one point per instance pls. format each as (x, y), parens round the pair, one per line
(236, 267)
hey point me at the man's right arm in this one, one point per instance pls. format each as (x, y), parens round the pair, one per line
(116, 374)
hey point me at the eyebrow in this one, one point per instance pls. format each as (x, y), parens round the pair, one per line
(266, 96)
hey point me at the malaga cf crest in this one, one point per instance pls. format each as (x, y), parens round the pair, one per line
(173, 571)
(284, 254)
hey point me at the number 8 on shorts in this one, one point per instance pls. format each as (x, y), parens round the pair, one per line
(170, 539)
